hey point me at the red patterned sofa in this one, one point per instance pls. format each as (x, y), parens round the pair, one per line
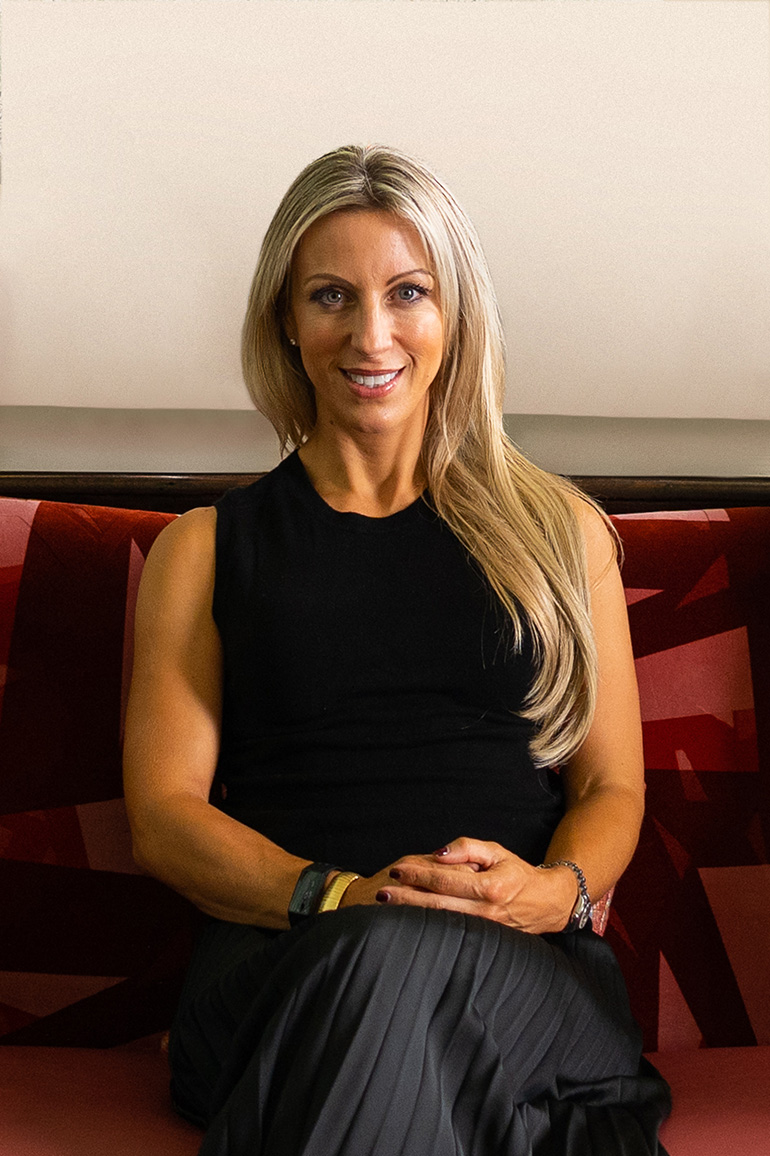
(91, 951)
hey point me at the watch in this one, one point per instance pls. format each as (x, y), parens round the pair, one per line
(308, 889)
(581, 912)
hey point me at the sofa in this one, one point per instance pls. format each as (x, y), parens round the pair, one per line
(92, 951)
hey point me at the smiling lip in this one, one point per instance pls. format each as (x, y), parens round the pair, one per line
(369, 384)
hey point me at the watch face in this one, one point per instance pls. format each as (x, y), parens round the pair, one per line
(581, 913)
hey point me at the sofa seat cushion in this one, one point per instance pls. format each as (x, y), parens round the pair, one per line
(89, 1102)
(721, 1101)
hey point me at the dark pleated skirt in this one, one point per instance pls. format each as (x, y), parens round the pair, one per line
(407, 1032)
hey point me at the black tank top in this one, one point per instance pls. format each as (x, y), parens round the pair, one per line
(370, 686)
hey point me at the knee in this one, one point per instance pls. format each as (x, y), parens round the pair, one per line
(417, 936)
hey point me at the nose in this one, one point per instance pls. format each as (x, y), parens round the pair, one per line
(371, 333)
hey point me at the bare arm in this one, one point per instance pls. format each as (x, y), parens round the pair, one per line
(604, 780)
(172, 743)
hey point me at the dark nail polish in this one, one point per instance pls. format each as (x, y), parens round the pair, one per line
(395, 873)
(442, 851)
(383, 897)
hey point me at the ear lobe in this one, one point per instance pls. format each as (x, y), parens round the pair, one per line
(290, 330)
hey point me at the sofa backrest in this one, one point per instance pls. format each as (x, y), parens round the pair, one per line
(91, 951)
(690, 920)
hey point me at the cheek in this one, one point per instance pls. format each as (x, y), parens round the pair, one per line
(318, 335)
(422, 322)
(429, 338)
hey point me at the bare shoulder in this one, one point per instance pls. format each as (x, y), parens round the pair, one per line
(188, 540)
(190, 533)
(600, 542)
(179, 570)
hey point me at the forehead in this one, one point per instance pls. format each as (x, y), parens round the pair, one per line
(365, 243)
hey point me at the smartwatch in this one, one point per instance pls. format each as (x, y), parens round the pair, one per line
(310, 885)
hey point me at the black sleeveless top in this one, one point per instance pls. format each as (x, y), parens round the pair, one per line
(370, 686)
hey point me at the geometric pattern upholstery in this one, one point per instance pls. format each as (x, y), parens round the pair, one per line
(690, 920)
(91, 951)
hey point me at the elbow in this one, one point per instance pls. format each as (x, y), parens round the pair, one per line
(141, 857)
(141, 852)
(145, 846)
(636, 801)
(630, 800)
(631, 808)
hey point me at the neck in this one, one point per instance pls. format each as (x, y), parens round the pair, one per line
(363, 478)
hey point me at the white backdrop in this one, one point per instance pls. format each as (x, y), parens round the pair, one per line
(615, 156)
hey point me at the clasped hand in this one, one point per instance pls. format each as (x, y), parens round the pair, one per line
(476, 878)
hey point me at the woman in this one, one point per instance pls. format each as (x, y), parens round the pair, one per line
(383, 647)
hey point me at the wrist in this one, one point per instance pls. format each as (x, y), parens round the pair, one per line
(558, 889)
(354, 894)
(335, 893)
(311, 885)
(575, 886)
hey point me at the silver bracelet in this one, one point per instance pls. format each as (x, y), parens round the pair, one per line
(581, 912)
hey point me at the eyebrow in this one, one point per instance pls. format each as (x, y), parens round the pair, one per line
(342, 281)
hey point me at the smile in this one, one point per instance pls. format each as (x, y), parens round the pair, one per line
(372, 381)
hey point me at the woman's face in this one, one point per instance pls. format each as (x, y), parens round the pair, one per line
(365, 313)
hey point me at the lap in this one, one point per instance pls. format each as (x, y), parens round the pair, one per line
(551, 1010)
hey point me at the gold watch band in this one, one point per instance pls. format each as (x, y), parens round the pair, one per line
(332, 896)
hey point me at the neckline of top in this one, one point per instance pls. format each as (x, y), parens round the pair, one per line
(350, 519)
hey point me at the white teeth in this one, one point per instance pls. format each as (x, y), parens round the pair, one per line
(371, 382)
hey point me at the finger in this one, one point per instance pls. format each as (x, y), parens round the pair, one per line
(411, 897)
(444, 879)
(429, 861)
(412, 863)
(465, 850)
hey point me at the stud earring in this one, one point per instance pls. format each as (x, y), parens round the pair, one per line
(292, 341)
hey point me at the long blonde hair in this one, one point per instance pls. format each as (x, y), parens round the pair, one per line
(514, 519)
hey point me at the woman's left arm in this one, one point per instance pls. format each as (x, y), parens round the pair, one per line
(604, 780)
(604, 790)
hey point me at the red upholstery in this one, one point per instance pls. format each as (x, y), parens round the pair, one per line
(84, 1102)
(721, 1101)
(690, 920)
(91, 952)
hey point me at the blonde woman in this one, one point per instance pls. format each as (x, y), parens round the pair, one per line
(384, 728)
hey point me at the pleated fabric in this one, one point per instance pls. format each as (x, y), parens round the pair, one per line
(407, 1032)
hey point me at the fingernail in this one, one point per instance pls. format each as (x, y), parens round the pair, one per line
(383, 897)
(394, 873)
(442, 851)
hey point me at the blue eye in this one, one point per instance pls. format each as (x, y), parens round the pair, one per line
(332, 297)
(415, 292)
(328, 296)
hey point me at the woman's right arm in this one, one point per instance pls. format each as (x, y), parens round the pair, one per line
(172, 743)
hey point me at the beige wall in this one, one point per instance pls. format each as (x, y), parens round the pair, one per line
(615, 156)
(72, 439)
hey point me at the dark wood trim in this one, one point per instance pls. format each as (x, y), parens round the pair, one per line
(175, 493)
(624, 495)
(171, 493)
